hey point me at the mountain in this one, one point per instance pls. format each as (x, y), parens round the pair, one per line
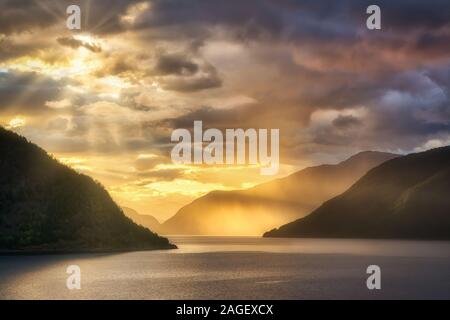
(46, 206)
(253, 211)
(406, 197)
(145, 220)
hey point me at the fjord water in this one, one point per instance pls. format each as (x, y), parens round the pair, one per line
(238, 268)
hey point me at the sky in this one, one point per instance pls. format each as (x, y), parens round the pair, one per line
(105, 99)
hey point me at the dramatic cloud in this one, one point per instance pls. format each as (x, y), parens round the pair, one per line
(179, 73)
(75, 44)
(27, 91)
(106, 98)
(175, 64)
(21, 15)
(346, 121)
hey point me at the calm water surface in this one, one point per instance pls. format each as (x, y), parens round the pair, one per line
(238, 268)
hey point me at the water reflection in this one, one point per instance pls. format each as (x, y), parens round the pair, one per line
(238, 268)
(197, 244)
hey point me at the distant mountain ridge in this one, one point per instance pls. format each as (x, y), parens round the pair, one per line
(407, 197)
(46, 206)
(254, 211)
(144, 220)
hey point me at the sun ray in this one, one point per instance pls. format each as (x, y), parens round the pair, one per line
(57, 12)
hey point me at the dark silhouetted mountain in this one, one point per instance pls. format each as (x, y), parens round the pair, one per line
(407, 197)
(47, 206)
(271, 204)
(145, 220)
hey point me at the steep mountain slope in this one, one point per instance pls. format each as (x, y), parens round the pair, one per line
(45, 205)
(407, 197)
(253, 211)
(145, 220)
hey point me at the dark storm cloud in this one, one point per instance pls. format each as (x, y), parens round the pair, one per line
(175, 64)
(180, 72)
(419, 104)
(27, 91)
(413, 14)
(413, 25)
(406, 124)
(331, 32)
(302, 19)
(433, 44)
(293, 20)
(23, 15)
(75, 44)
(250, 18)
(400, 74)
(100, 16)
(344, 122)
(409, 109)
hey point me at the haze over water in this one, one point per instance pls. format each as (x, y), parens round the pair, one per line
(238, 268)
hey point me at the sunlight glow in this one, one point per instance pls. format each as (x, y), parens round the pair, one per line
(16, 123)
